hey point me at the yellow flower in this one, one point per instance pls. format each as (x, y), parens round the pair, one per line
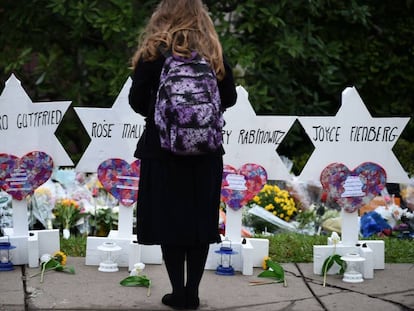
(264, 264)
(277, 201)
(61, 257)
(43, 190)
(267, 187)
(68, 212)
(99, 184)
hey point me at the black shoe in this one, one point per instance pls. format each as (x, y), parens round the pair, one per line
(192, 303)
(191, 299)
(177, 303)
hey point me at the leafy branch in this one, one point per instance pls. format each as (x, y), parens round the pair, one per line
(274, 271)
(328, 263)
(53, 264)
(334, 258)
(137, 280)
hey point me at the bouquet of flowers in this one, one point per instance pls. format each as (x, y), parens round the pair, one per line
(390, 218)
(42, 203)
(67, 213)
(57, 262)
(275, 201)
(311, 220)
(104, 219)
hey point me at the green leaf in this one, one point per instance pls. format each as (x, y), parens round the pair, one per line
(267, 274)
(277, 269)
(136, 280)
(51, 264)
(329, 261)
(70, 270)
(337, 259)
(341, 263)
(59, 267)
(327, 264)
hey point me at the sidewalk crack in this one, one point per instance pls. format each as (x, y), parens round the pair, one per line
(305, 280)
(24, 284)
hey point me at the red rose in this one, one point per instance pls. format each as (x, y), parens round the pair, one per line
(324, 196)
(387, 232)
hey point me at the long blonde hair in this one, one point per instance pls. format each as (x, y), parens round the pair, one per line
(181, 26)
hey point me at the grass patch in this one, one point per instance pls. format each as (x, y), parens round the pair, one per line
(283, 247)
(399, 250)
(75, 246)
(294, 247)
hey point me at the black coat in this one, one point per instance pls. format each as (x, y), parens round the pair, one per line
(179, 196)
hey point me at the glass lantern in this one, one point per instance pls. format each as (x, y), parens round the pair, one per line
(108, 265)
(224, 263)
(353, 268)
(5, 255)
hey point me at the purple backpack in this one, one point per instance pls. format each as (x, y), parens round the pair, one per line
(188, 111)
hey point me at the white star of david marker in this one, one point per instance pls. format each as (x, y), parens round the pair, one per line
(352, 137)
(114, 132)
(26, 126)
(249, 138)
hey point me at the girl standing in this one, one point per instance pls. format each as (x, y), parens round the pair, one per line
(179, 196)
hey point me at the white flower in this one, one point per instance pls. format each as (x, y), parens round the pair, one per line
(312, 207)
(66, 234)
(335, 238)
(138, 268)
(45, 258)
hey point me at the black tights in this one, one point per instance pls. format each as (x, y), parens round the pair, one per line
(195, 258)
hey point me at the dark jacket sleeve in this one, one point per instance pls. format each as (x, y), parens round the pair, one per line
(142, 96)
(145, 80)
(227, 89)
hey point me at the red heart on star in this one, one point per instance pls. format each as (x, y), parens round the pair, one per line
(239, 186)
(20, 177)
(120, 179)
(353, 189)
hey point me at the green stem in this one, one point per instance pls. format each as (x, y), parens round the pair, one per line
(149, 289)
(43, 272)
(36, 274)
(324, 275)
(325, 272)
(263, 283)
